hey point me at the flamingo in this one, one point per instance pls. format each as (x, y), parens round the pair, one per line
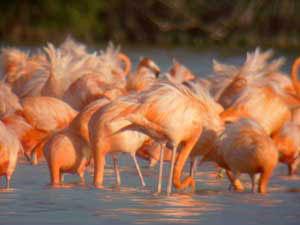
(29, 137)
(39, 117)
(151, 150)
(104, 137)
(245, 147)
(12, 60)
(286, 85)
(286, 138)
(9, 102)
(288, 144)
(178, 73)
(89, 88)
(80, 124)
(64, 69)
(9, 148)
(25, 74)
(68, 151)
(261, 104)
(272, 112)
(108, 80)
(296, 109)
(255, 70)
(47, 114)
(53, 70)
(93, 86)
(209, 133)
(160, 110)
(145, 76)
(249, 94)
(252, 73)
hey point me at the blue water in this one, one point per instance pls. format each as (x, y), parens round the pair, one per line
(33, 201)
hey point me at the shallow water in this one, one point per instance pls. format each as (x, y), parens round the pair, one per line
(32, 201)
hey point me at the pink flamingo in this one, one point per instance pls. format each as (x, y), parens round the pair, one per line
(68, 151)
(245, 147)
(160, 110)
(9, 148)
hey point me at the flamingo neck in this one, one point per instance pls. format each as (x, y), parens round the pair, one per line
(294, 76)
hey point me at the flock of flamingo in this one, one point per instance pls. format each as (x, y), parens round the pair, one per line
(74, 108)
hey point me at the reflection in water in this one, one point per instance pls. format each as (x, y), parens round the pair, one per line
(7, 190)
(179, 208)
(212, 203)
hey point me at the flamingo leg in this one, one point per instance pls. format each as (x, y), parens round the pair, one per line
(56, 175)
(220, 173)
(61, 177)
(91, 166)
(252, 176)
(82, 179)
(117, 171)
(7, 181)
(99, 166)
(234, 181)
(193, 167)
(138, 169)
(34, 159)
(293, 167)
(81, 169)
(161, 165)
(169, 187)
(263, 181)
(2, 180)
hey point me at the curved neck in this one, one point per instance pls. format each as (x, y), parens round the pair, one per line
(124, 58)
(294, 76)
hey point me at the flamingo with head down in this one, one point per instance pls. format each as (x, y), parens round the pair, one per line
(9, 148)
(288, 144)
(248, 94)
(175, 114)
(38, 118)
(108, 80)
(286, 138)
(151, 150)
(76, 133)
(245, 147)
(68, 151)
(24, 73)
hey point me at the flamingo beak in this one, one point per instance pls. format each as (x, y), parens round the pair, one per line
(157, 72)
(188, 76)
(154, 68)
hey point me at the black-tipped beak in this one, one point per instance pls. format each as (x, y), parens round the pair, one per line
(157, 72)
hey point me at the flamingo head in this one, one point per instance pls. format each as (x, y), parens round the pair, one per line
(149, 64)
(233, 90)
(180, 72)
